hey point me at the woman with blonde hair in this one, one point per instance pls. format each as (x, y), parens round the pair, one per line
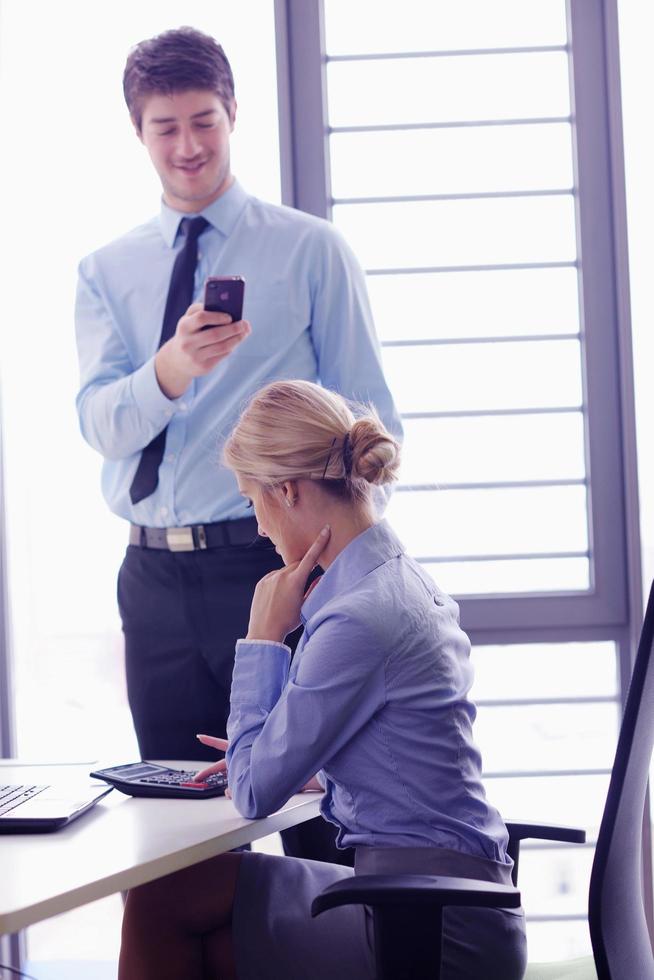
(373, 710)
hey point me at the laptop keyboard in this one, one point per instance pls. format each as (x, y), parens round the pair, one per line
(13, 796)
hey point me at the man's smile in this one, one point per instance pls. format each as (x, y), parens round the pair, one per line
(191, 168)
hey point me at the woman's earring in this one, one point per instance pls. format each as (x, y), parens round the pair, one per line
(290, 501)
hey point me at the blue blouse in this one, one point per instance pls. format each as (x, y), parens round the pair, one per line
(375, 702)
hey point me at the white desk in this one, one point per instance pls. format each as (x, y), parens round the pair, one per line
(122, 842)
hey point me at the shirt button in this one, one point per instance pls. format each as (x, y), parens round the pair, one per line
(170, 457)
(164, 512)
(183, 407)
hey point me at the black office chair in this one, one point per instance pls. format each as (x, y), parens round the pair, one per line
(408, 909)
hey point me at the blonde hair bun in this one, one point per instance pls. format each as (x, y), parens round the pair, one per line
(298, 430)
(375, 453)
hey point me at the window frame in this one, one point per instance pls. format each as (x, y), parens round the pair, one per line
(604, 334)
(613, 608)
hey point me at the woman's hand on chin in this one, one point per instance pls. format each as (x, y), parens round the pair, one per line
(278, 597)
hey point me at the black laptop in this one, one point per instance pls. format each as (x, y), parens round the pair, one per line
(30, 808)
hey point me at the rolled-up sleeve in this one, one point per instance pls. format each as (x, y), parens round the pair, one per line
(283, 729)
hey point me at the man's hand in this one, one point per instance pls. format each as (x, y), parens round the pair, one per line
(278, 597)
(193, 352)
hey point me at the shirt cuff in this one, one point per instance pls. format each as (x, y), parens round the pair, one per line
(148, 396)
(260, 672)
(267, 643)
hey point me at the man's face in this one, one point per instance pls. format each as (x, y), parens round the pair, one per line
(187, 137)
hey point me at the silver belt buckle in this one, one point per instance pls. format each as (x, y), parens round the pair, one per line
(180, 538)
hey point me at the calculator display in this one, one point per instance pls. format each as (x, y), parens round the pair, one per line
(135, 770)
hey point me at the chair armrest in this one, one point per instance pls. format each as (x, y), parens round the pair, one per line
(407, 915)
(545, 831)
(433, 890)
(519, 830)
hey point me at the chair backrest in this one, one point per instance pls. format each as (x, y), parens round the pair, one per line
(618, 928)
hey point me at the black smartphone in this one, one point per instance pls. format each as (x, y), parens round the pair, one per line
(224, 294)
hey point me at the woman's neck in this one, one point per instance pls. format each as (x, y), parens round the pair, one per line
(346, 524)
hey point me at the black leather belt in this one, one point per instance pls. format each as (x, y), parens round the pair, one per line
(195, 537)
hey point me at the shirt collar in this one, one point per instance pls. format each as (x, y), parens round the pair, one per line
(370, 549)
(222, 213)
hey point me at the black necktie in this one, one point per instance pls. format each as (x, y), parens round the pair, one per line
(180, 295)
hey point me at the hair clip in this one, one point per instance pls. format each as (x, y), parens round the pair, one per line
(347, 454)
(329, 456)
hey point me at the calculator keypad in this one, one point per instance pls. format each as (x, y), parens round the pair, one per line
(180, 778)
(151, 779)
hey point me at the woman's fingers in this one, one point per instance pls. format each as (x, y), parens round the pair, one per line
(216, 743)
(313, 786)
(220, 766)
(310, 560)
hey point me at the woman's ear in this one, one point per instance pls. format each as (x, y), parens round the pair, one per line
(289, 491)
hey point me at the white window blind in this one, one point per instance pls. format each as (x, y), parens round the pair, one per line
(453, 167)
(451, 160)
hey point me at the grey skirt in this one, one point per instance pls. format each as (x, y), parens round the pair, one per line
(275, 937)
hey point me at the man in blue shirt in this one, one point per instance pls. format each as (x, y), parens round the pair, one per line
(186, 582)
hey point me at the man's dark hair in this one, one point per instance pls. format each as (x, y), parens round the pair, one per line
(176, 61)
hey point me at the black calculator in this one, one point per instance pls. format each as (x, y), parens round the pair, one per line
(149, 779)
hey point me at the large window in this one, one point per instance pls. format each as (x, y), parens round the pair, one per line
(464, 151)
(452, 172)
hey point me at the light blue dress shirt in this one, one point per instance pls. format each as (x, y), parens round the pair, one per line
(306, 299)
(375, 702)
